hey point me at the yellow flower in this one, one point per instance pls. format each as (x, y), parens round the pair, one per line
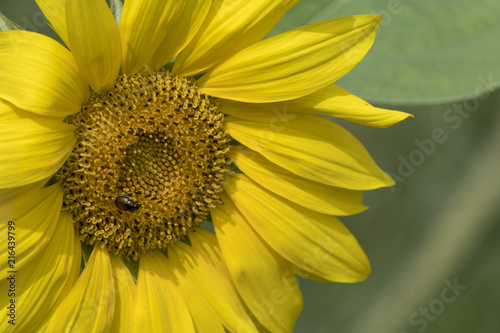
(230, 133)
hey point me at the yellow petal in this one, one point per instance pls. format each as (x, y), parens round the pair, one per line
(177, 38)
(205, 320)
(332, 101)
(89, 307)
(308, 275)
(230, 26)
(39, 67)
(316, 196)
(204, 317)
(124, 299)
(34, 217)
(143, 25)
(314, 242)
(47, 279)
(293, 64)
(9, 111)
(202, 264)
(314, 148)
(159, 307)
(33, 149)
(55, 12)
(13, 192)
(257, 270)
(94, 40)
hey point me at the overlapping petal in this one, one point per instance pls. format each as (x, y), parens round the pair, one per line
(8, 194)
(263, 278)
(202, 264)
(143, 25)
(55, 12)
(333, 101)
(47, 279)
(293, 64)
(125, 289)
(231, 25)
(94, 41)
(314, 148)
(34, 215)
(204, 316)
(190, 21)
(33, 149)
(159, 307)
(89, 306)
(316, 196)
(38, 74)
(9, 111)
(324, 246)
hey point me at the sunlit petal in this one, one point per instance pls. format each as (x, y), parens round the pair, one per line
(293, 64)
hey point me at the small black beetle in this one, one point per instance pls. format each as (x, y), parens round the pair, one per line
(123, 202)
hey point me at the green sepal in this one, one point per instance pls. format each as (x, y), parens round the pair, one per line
(6, 24)
(116, 8)
(133, 267)
(86, 252)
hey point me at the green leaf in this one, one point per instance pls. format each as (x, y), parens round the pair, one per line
(426, 51)
(6, 24)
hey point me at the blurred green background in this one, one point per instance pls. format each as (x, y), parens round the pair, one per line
(438, 227)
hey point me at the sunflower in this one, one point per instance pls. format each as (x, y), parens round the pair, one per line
(118, 146)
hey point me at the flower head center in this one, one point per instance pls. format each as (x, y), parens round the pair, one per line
(148, 164)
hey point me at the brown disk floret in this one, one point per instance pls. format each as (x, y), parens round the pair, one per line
(158, 143)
